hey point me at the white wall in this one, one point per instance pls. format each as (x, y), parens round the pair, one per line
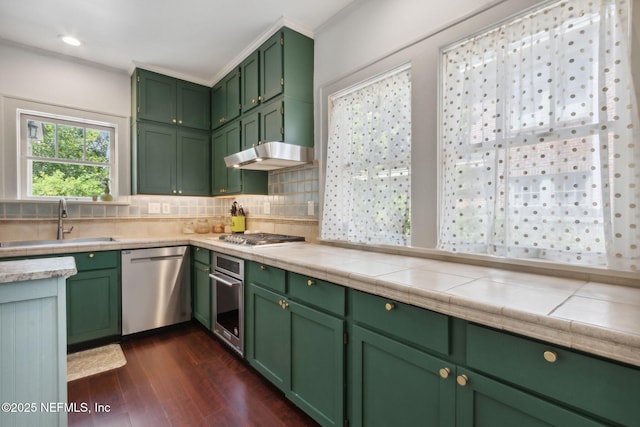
(34, 79)
(370, 29)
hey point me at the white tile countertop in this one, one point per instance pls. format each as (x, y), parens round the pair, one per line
(598, 318)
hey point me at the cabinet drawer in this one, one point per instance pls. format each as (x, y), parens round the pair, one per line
(86, 261)
(325, 295)
(418, 326)
(601, 387)
(266, 276)
(201, 255)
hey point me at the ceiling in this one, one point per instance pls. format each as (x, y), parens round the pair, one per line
(197, 40)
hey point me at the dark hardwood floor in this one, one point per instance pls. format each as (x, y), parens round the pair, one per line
(182, 377)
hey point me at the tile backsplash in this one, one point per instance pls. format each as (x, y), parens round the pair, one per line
(290, 208)
(292, 193)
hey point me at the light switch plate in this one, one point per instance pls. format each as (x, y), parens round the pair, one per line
(154, 208)
(266, 208)
(310, 207)
(166, 208)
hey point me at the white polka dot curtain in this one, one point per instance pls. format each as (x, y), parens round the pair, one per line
(539, 138)
(368, 179)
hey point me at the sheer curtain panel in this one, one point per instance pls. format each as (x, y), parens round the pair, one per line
(368, 176)
(539, 138)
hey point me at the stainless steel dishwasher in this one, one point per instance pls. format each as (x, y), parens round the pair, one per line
(155, 288)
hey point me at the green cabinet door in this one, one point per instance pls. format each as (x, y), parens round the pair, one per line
(250, 130)
(225, 99)
(392, 384)
(225, 141)
(271, 67)
(193, 163)
(155, 159)
(171, 101)
(272, 122)
(93, 305)
(156, 94)
(194, 107)
(317, 363)
(267, 335)
(250, 71)
(201, 297)
(483, 402)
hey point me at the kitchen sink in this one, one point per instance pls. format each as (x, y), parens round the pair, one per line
(89, 240)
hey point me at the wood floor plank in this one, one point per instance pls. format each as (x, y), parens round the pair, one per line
(182, 377)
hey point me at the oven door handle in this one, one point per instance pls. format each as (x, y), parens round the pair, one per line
(223, 279)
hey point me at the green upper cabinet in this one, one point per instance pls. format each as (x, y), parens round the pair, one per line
(171, 161)
(278, 78)
(283, 119)
(167, 100)
(225, 99)
(225, 181)
(250, 70)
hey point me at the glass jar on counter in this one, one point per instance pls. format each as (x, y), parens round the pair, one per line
(202, 226)
(188, 228)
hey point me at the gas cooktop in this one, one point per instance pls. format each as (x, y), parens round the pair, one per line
(256, 239)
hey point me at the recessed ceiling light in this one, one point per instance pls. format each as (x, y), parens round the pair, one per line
(72, 41)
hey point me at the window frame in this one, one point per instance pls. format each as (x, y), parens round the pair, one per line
(24, 168)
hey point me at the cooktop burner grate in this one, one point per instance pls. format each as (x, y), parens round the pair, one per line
(255, 239)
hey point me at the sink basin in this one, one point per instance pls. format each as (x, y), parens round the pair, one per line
(24, 243)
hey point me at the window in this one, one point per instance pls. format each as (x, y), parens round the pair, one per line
(539, 156)
(64, 156)
(368, 171)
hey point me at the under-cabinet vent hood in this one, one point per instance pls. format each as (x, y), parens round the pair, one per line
(269, 156)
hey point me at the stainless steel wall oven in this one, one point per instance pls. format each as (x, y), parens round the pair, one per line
(228, 300)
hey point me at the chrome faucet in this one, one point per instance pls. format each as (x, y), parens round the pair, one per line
(62, 213)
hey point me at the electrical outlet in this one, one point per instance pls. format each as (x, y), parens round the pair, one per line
(166, 208)
(310, 207)
(154, 208)
(266, 208)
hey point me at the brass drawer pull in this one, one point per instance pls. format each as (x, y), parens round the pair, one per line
(462, 380)
(91, 255)
(263, 267)
(389, 306)
(550, 356)
(311, 282)
(444, 373)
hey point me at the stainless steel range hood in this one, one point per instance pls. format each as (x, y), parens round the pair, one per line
(269, 156)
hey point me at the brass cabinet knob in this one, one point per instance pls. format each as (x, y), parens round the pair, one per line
(260, 98)
(91, 255)
(462, 380)
(311, 282)
(444, 372)
(179, 122)
(550, 356)
(283, 304)
(174, 191)
(173, 121)
(253, 100)
(263, 267)
(179, 191)
(389, 306)
(206, 270)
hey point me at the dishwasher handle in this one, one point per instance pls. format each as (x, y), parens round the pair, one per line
(155, 258)
(224, 279)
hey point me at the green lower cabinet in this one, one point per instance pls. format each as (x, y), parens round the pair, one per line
(93, 305)
(201, 298)
(267, 342)
(317, 364)
(300, 350)
(483, 402)
(392, 384)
